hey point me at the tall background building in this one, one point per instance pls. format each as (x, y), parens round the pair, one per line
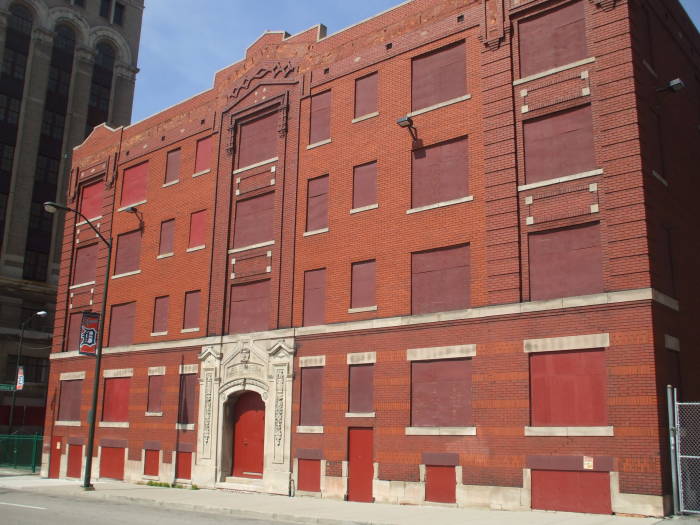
(67, 66)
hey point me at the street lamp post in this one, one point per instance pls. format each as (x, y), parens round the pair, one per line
(23, 325)
(52, 207)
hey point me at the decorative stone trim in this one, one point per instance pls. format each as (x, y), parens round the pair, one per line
(553, 71)
(203, 172)
(156, 370)
(672, 343)
(312, 360)
(70, 376)
(362, 309)
(440, 431)
(251, 247)
(365, 117)
(118, 372)
(256, 165)
(440, 352)
(124, 208)
(559, 180)
(309, 429)
(126, 274)
(315, 232)
(359, 414)
(569, 431)
(188, 369)
(362, 358)
(572, 342)
(364, 208)
(433, 206)
(67, 423)
(318, 144)
(113, 424)
(439, 105)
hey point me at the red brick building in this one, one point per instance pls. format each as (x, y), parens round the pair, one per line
(482, 308)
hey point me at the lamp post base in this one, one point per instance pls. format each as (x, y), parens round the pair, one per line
(88, 488)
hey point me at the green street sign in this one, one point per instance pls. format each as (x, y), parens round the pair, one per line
(7, 387)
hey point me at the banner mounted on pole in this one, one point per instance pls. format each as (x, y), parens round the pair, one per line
(88, 333)
(20, 378)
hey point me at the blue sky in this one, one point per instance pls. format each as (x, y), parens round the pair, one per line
(183, 44)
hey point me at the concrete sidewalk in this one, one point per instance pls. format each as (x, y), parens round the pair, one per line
(302, 509)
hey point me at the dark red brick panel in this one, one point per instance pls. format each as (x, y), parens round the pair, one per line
(441, 393)
(161, 306)
(309, 475)
(258, 140)
(364, 185)
(439, 76)
(85, 264)
(440, 173)
(155, 393)
(361, 388)
(198, 228)
(134, 183)
(91, 200)
(440, 279)
(440, 483)
(69, 401)
(191, 314)
(317, 204)
(167, 234)
(320, 126)
(121, 325)
(203, 154)
(571, 491)
(314, 297)
(115, 401)
(363, 284)
(128, 252)
(173, 165)
(254, 220)
(366, 95)
(250, 307)
(311, 408)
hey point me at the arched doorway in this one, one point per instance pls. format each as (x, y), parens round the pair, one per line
(248, 436)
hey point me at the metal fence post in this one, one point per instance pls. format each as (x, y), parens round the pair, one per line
(672, 437)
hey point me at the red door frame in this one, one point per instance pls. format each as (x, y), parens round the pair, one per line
(248, 436)
(360, 464)
(55, 456)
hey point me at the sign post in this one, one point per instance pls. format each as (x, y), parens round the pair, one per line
(89, 328)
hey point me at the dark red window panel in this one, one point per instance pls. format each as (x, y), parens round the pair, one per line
(566, 262)
(363, 284)
(155, 393)
(553, 39)
(317, 204)
(361, 386)
(203, 155)
(254, 220)
(85, 264)
(183, 469)
(151, 463)
(172, 168)
(69, 402)
(258, 140)
(571, 491)
(314, 297)
(198, 228)
(250, 307)
(310, 412)
(441, 393)
(191, 317)
(134, 184)
(309, 476)
(320, 127)
(128, 252)
(439, 76)
(187, 399)
(73, 335)
(115, 401)
(366, 95)
(558, 145)
(440, 483)
(568, 388)
(121, 324)
(440, 279)
(91, 200)
(440, 173)
(160, 314)
(167, 234)
(364, 185)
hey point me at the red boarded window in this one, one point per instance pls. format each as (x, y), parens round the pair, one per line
(202, 160)
(571, 491)
(439, 76)
(366, 95)
(85, 264)
(160, 314)
(361, 394)
(309, 478)
(73, 336)
(128, 252)
(568, 388)
(317, 204)
(115, 403)
(155, 394)
(121, 324)
(258, 140)
(134, 184)
(363, 284)
(314, 297)
(183, 467)
(440, 483)
(565, 262)
(188, 399)
(558, 145)
(441, 393)
(440, 173)
(440, 279)
(253, 223)
(250, 307)
(167, 234)
(172, 169)
(151, 464)
(191, 317)
(320, 128)
(553, 39)
(310, 412)
(198, 227)
(364, 185)
(69, 402)
(91, 200)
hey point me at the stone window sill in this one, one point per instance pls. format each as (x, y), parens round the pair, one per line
(439, 105)
(91, 219)
(67, 423)
(171, 183)
(364, 208)
(569, 431)
(553, 71)
(184, 426)
(196, 248)
(301, 429)
(251, 247)
(154, 414)
(203, 172)
(133, 205)
(442, 204)
(165, 255)
(158, 334)
(189, 330)
(441, 431)
(256, 165)
(365, 117)
(318, 144)
(559, 180)
(81, 285)
(359, 414)
(362, 309)
(316, 232)
(114, 424)
(126, 274)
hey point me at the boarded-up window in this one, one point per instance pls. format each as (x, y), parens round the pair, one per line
(160, 314)
(366, 95)
(250, 307)
(198, 228)
(128, 252)
(310, 411)
(85, 264)
(440, 483)
(565, 262)
(317, 204)
(191, 317)
(441, 393)
(440, 173)
(553, 39)
(91, 200)
(258, 140)
(73, 335)
(69, 402)
(155, 393)
(134, 184)
(364, 185)
(115, 402)
(361, 389)
(558, 145)
(363, 284)
(320, 126)
(172, 169)
(439, 76)
(309, 475)
(151, 464)
(253, 222)
(121, 324)
(202, 160)
(568, 388)
(315, 297)
(167, 234)
(440, 279)
(187, 399)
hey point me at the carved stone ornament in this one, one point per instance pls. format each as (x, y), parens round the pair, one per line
(276, 70)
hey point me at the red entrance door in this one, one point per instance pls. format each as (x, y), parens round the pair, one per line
(360, 464)
(55, 456)
(248, 436)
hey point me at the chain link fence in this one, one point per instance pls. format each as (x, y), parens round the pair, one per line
(688, 457)
(21, 451)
